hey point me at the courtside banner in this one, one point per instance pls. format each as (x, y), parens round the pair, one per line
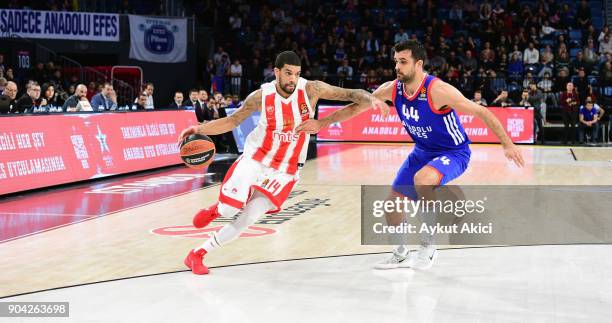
(158, 40)
(59, 25)
(371, 126)
(40, 151)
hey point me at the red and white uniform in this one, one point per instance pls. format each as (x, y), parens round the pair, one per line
(273, 151)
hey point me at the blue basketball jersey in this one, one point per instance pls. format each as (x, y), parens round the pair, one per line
(432, 130)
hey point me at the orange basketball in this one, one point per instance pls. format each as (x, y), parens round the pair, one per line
(197, 151)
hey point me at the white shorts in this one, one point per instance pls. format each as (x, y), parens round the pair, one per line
(247, 175)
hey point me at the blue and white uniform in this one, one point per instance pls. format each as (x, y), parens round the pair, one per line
(440, 141)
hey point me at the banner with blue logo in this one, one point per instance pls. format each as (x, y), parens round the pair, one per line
(59, 25)
(158, 40)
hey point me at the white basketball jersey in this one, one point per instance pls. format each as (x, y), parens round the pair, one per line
(274, 142)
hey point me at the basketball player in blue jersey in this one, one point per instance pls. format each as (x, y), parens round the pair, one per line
(426, 106)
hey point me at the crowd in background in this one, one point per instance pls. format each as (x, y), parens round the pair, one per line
(500, 53)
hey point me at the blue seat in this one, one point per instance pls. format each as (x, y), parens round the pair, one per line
(607, 91)
(598, 22)
(575, 35)
(592, 79)
(574, 51)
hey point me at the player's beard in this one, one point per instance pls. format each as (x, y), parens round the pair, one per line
(405, 78)
(287, 89)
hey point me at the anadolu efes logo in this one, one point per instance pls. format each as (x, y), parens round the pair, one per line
(188, 231)
(158, 39)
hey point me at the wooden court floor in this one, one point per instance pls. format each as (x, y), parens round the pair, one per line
(322, 218)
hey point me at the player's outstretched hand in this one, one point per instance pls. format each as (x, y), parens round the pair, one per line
(187, 132)
(378, 104)
(310, 126)
(514, 154)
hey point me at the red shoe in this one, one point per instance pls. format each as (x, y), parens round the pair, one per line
(194, 262)
(205, 216)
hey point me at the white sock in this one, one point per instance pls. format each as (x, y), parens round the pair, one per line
(257, 206)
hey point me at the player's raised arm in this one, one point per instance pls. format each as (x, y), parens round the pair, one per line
(383, 93)
(444, 94)
(323, 90)
(251, 104)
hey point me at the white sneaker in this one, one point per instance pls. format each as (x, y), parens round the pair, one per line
(401, 257)
(425, 257)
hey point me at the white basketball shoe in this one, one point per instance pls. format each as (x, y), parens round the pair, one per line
(402, 257)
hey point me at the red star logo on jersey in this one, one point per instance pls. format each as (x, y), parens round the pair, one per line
(304, 109)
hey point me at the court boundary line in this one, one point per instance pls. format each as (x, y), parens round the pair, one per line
(573, 154)
(107, 214)
(287, 260)
(48, 214)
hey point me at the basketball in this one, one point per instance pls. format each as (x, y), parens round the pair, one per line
(197, 151)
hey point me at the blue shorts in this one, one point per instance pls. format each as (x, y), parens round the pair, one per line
(448, 164)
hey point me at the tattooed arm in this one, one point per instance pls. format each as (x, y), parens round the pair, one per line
(323, 90)
(383, 93)
(251, 104)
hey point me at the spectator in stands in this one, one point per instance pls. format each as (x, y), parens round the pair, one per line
(605, 46)
(527, 80)
(479, 99)
(605, 75)
(569, 102)
(148, 91)
(177, 103)
(583, 15)
(78, 101)
(400, 36)
(106, 99)
(546, 30)
(579, 63)
(236, 76)
(92, 89)
(9, 75)
(29, 100)
(524, 101)
(502, 100)
(236, 103)
(345, 70)
(582, 85)
(469, 62)
(48, 94)
(536, 100)
(203, 110)
(515, 68)
(589, 117)
(141, 102)
(590, 53)
(192, 103)
(7, 100)
(531, 55)
(2, 65)
(219, 54)
(561, 81)
(562, 61)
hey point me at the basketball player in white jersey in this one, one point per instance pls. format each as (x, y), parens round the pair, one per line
(262, 178)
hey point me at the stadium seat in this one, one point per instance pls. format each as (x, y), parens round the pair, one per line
(574, 51)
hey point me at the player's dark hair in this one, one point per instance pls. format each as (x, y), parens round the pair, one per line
(416, 49)
(193, 90)
(287, 57)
